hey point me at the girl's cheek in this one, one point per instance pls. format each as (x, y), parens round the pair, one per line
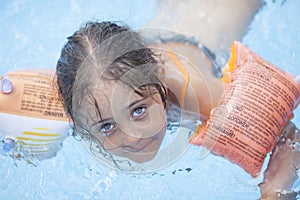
(157, 116)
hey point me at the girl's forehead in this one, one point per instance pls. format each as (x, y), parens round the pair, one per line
(113, 96)
(113, 89)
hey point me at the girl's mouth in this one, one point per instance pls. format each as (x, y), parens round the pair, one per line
(137, 148)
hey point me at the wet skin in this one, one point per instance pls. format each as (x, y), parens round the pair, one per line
(130, 125)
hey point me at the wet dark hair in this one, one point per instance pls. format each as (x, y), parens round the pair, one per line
(105, 50)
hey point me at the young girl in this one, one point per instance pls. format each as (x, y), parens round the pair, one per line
(117, 89)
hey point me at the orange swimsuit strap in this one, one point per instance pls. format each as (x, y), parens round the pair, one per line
(186, 77)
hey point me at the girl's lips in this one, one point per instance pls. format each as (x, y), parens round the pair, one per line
(138, 148)
(140, 145)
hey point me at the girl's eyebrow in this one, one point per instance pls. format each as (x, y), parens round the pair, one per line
(137, 101)
(102, 121)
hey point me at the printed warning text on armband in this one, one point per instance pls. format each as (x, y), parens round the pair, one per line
(35, 95)
(220, 128)
(247, 149)
(265, 107)
(237, 145)
(42, 100)
(238, 120)
(256, 75)
(280, 76)
(252, 111)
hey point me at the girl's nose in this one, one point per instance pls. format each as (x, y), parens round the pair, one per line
(129, 139)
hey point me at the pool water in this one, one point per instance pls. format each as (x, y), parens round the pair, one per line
(31, 36)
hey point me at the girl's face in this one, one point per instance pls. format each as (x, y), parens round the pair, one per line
(128, 125)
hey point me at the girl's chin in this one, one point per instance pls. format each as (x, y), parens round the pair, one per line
(146, 154)
(138, 157)
(141, 157)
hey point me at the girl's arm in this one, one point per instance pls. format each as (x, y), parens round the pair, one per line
(283, 165)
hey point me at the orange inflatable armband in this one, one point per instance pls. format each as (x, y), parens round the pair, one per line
(255, 106)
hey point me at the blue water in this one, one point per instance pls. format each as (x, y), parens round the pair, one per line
(31, 36)
(33, 32)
